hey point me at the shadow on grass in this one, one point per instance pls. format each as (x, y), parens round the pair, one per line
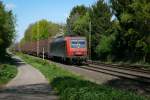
(7, 59)
(130, 85)
(62, 83)
(11, 60)
(75, 89)
(28, 92)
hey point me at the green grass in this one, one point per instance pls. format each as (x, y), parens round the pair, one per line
(73, 87)
(50, 71)
(7, 72)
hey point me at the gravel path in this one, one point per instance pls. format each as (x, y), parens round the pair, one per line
(29, 84)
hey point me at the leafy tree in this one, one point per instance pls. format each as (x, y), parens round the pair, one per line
(134, 18)
(78, 17)
(7, 29)
(104, 48)
(81, 26)
(100, 16)
(41, 30)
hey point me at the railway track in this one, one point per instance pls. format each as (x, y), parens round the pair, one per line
(135, 68)
(119, 71)
(128, 72)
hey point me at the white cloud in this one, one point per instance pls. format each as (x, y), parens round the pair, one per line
(10, 6)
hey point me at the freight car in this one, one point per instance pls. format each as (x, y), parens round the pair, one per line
(36, 48)
(72, 49)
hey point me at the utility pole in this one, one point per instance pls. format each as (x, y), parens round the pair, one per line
(90, 32)
(37, 39)
(43, 53)
(90, 40)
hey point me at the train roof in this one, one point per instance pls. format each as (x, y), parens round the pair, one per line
(63, 38)
(70, 37)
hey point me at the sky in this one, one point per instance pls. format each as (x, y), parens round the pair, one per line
(30, 11)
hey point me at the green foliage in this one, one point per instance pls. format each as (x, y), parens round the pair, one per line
(7, 29)
(105, 46)
(99, 15)
(76, 21)
(81, 26)
(7, 72)
(134, 18)
(126, 37)
(73, 87)
(41, 30)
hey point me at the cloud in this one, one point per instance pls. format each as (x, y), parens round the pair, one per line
(10, 6)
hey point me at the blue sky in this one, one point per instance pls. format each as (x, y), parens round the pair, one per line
(30, 11)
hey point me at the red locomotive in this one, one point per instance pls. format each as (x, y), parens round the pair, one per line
(69, 48)
(66, 48)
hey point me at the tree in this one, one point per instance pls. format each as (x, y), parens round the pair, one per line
(41, 30)
(100, 17)
(76, 20)
(81, 26)
(105, 47)
(7, 29)
(134, 18)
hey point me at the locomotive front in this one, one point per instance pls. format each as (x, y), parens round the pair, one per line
(77, 48)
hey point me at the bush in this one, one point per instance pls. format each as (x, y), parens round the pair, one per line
(104, 48)
(7, 72)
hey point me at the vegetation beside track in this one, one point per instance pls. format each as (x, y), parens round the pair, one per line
(118, 31)
(7, 29)
(7, 72)
(74, 87)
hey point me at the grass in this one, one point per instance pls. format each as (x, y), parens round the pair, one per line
(8, 69)
(73, 87)
(7, 72)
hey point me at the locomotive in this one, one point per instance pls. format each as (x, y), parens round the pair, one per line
(72, 49)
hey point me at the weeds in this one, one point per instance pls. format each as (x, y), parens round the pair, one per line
(7, 72)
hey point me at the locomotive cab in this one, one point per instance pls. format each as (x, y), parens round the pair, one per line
(77, 49)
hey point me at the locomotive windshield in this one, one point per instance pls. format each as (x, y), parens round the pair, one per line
(78, 44)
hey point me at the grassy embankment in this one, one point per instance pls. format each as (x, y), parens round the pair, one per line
(7, 72)
(8, 69)
(73, 87)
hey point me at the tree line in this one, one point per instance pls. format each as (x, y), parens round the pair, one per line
(40, 30)
(7, 29)
(120, 29)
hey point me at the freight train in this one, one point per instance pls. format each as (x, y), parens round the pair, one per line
(72, 49)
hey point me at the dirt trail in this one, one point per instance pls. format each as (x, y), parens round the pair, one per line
(29, 84)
